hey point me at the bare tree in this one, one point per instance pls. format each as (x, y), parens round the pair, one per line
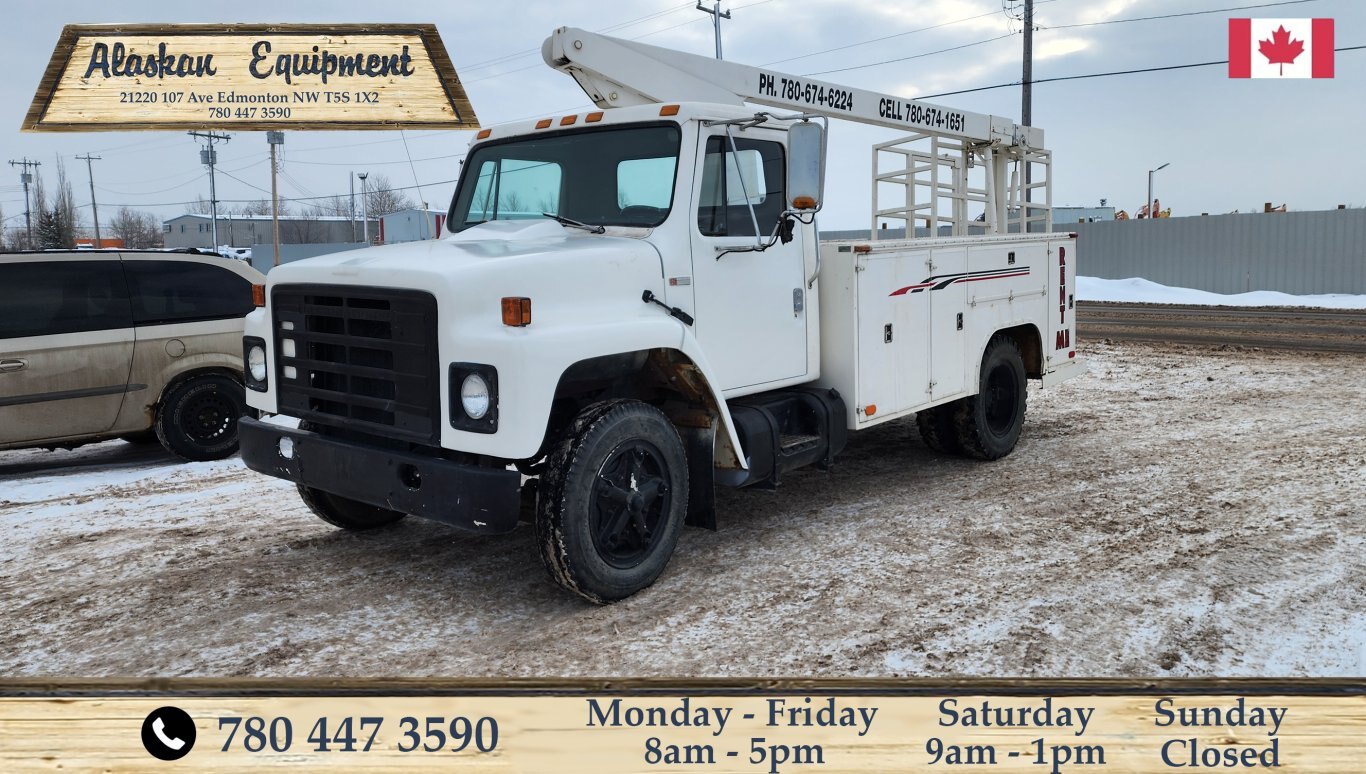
(381, 198)
(137, 229)
(258, 208)
(200, 206)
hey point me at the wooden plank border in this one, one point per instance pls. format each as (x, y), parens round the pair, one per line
(409, 686)
(431, 41)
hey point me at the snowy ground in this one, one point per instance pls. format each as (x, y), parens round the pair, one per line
(1141, 291)
(1177, 511)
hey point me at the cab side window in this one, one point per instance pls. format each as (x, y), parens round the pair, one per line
(185, 291)
(43, 298)
(752, 174)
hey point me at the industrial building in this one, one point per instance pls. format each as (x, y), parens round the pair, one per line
(195, 230)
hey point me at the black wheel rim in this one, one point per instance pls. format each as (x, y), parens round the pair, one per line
(1002, 397)
(631, 499)
(208, 417)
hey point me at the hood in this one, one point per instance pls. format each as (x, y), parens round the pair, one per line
(515, 241)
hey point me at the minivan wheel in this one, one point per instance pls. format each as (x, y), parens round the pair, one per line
(612, 501)
(198, 417)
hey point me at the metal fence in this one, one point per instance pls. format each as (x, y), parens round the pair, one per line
(1293, 252)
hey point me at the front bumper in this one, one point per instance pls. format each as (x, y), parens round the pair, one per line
(478, 499)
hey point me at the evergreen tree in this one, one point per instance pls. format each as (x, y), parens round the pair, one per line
(47, 231)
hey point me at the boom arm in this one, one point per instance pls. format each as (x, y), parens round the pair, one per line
(621, 73)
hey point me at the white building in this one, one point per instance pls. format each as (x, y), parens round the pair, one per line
(411, 225)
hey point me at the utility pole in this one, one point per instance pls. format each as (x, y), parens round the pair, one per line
(351, 211)
(274, 139)
(26, 178)
(94, 210)
(364, 207)
(717, 16)
(209, 157)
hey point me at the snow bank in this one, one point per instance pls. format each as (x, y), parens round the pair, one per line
(1140, 291)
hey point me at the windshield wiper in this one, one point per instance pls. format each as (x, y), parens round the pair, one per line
(571, 222)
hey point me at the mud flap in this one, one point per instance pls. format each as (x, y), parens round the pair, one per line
(700, 445)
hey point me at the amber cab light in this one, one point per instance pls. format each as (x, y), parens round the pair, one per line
(483, 134)
(593, 118)
(517, 311)
(669, 110)
(258, 295)
(568, 120)
(543, 123)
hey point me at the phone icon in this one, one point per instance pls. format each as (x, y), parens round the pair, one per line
(159, 728)
(168, 733)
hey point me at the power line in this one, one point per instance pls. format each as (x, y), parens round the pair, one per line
(1171, 15)
(890, 37)
(914, 56)
(1100, 75)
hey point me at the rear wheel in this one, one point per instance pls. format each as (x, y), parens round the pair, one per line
(937, 430)
(988, 424)
(346, 513)
(613, 500)
(197, 419)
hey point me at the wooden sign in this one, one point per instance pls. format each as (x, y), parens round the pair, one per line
(249, 77)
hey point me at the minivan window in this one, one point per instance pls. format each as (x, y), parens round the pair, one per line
(42, 298)
(184, 291)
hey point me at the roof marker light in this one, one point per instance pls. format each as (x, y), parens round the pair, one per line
(543, 123)
(593, 118)
(568, 120)
(483, 134)
(669, 110)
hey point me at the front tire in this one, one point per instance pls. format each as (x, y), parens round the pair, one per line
(346, 513)
(613, 500)
(988, 424)
(197, 420)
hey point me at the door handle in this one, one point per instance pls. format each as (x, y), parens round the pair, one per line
(12, 365)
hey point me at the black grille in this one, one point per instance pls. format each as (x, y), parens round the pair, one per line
(363, 358)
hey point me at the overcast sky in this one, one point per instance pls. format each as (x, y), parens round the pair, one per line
(1232, 144)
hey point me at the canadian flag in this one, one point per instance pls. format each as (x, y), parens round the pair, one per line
(1280, 48)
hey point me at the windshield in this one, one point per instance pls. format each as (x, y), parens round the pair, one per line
(603, 177)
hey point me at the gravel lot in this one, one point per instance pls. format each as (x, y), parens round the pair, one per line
(1177, 511)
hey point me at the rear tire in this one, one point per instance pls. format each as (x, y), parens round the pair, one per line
(197, 420)
(988, 424)
(346, 513)
(612, 501)
(937, 429)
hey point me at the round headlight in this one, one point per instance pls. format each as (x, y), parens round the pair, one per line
(474, 396)
(256, 363)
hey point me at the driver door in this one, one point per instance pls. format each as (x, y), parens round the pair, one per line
(750, 307)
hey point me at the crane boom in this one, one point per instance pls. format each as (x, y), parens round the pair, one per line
(621, 73)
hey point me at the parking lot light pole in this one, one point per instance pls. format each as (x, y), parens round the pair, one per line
(1152, 214)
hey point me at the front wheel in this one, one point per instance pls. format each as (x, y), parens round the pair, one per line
(988, 424)
(613, 500)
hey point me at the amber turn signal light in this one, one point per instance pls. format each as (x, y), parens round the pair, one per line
(804, 203)
(258, 295)
(517, 311)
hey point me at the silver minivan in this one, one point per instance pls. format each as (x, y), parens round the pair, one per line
(145, 346)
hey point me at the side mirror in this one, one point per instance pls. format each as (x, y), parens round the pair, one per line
(805, 166)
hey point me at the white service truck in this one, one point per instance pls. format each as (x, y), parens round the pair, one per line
(633, 307)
